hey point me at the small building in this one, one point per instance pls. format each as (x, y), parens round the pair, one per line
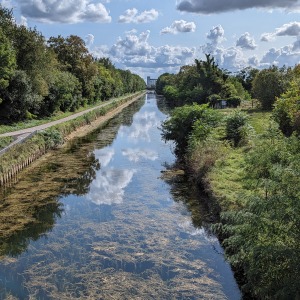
(151, 83)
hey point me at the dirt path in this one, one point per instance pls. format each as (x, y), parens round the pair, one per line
(28, 131)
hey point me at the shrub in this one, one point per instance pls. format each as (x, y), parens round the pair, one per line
(52, 137)
(237, 128)
(182, 122)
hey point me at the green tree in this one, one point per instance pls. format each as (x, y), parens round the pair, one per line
(212, 78)
(269, 84)
(64, 93)
(246, 77)
(287, 107)
(19, 99)
(164, 80)
(7, 60)
(75, 58)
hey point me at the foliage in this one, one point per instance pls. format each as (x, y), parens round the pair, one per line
(18, 98)
(269, 84)
(7, 61)
(263, 237)
(246, 77)
(237, 128)
(52, 137)
(5, 141)
(287, 109)
(39, 78)
(64, 93)
(203, 82)
(162, 81)
(234, 101)
(196, 119)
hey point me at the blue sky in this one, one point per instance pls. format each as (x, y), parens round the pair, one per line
(157, 36)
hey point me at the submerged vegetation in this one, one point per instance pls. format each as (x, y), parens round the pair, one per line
(143, 247)
(248, 162)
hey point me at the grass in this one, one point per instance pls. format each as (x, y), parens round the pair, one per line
(5, 141)
(227, 178)
(55, 117)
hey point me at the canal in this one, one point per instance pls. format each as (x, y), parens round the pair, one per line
(104, 218)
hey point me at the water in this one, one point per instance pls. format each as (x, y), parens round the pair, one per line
(97, 221)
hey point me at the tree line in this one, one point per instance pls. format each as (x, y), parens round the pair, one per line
(40, 77)
(259, 223)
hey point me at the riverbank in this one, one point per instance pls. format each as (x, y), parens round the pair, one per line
(253, 193)
(20, 156)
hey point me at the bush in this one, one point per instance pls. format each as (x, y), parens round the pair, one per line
(182, 123)
(262, 239)
(237, 128)
(52, 137)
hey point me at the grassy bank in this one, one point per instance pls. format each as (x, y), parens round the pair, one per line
(23, 154)
(250, 171)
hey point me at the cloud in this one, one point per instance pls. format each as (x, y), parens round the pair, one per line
(6, 4)
(109, 186)
(253, 61)
(296, 45)
(135, 51)
(23, 21)
(288, 55)
(289, 29)
(90, 38)
(105, 156)
(179, 26)
(71, 11)
(140, 130)
(246, 42)
(138, 154)
(217, 6)
(132, 16)
(216, 34)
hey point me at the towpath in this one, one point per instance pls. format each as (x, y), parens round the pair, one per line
(27, 131)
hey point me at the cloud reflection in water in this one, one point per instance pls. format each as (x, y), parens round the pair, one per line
(104, 156)
(141, 126)
(109, 186)
(138, 154)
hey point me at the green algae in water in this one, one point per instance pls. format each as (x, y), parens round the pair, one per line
(121, 232)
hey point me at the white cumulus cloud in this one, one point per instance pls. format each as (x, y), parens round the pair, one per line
(289, 29)
(179, 26)
(90, 38)
(246, 41)
(133, 16)
(71, 11)
(134, 50)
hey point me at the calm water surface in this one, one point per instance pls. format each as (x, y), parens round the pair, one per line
(97, 221)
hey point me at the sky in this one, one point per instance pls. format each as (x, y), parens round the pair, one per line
(153, 37)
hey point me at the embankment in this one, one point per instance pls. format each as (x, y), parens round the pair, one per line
(22, 155)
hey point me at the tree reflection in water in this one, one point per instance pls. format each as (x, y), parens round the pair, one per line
(30, 208)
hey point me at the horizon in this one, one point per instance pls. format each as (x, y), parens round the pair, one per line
(152, 39)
